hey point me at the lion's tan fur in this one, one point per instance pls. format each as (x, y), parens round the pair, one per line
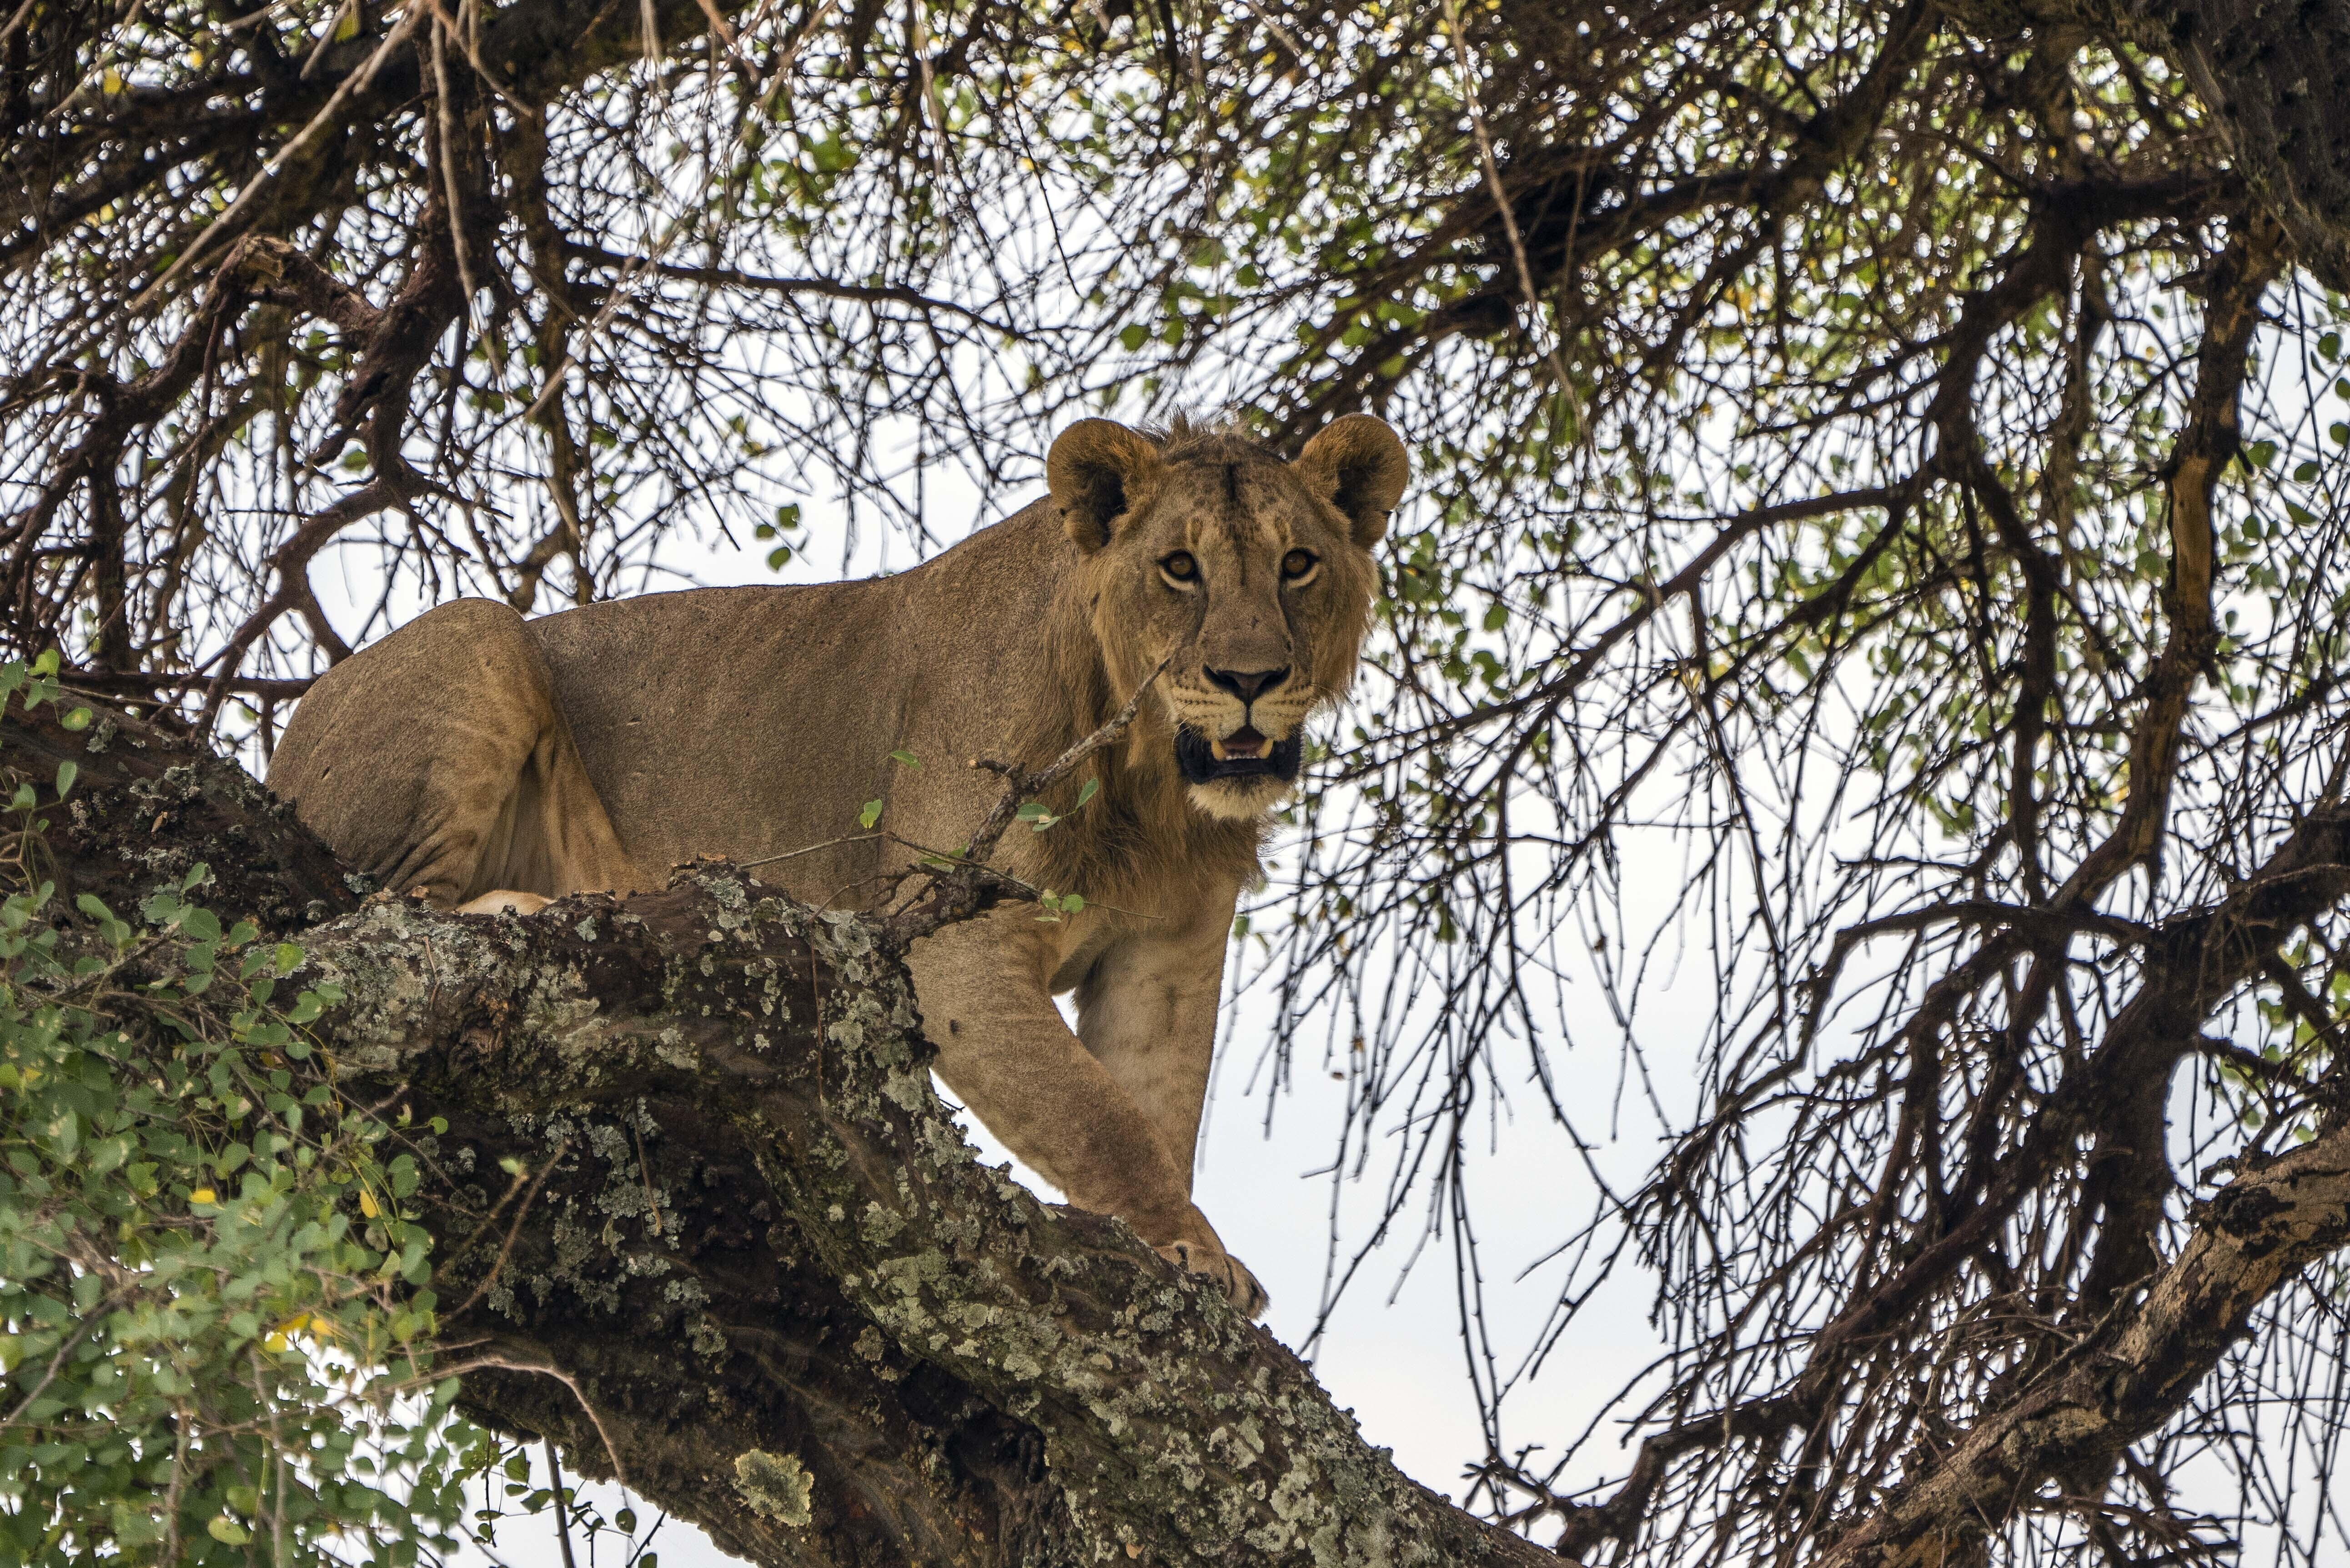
(474, 753)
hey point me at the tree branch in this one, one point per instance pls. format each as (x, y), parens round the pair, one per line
(2127, 1377)
(759, 1268)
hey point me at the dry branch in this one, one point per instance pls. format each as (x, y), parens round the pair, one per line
(2133, 1372)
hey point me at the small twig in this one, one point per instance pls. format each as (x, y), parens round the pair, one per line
(512, 1231)
(500, 1364)
(796, 853)
(553, 1465)
(1005, 878)
(1027, 786)
(444, 120)
(135, 683)
(954, 891)
(645, 1170)
(16, 21)
(1503, 203)
(183, 1424)
(57, 1362)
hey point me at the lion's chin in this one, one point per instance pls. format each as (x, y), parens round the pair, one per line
(1241, 799)
(1243, 756)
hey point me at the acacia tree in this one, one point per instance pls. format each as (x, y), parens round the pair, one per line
(1896, 449)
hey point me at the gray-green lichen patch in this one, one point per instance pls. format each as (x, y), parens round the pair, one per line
(776, 1485)
(1165, 1416)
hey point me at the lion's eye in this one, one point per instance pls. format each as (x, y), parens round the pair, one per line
(1297, 565)
(1180, 566)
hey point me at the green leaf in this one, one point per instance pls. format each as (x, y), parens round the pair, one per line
(908, 758)
(871, 815)
(67, 770)
(75, 719)
(1092, 787)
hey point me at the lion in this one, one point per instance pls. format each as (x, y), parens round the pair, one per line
(493, 764)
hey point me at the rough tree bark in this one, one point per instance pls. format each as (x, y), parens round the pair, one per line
(2277, 76)
(752, 1267)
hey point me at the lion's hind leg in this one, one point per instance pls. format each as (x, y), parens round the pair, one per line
(439, 762)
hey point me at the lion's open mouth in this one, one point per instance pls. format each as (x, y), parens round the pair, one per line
(1243, 754)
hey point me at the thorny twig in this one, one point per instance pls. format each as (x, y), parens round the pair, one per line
(965, 884)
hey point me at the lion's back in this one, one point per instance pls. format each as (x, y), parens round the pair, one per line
(758, 721)
(740, 722)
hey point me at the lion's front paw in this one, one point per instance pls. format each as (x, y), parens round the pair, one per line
(1229, 1273)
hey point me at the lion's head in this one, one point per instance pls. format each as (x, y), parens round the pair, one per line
(1250, 575)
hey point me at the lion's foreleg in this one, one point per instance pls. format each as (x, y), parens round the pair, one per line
(1006, 1052)
(1147, 1011)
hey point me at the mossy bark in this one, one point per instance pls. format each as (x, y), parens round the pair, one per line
(751, 1264)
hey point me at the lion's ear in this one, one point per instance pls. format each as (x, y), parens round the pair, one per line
(1359, 466)
(1098, 470)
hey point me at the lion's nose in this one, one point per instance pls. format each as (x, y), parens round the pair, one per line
(1246, 684)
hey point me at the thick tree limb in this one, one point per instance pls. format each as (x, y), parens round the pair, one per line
(2279, 79)
(752, 1253)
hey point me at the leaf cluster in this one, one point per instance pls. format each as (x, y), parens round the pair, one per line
(215, 1323)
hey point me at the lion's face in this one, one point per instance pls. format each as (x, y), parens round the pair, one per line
(1251, 579)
